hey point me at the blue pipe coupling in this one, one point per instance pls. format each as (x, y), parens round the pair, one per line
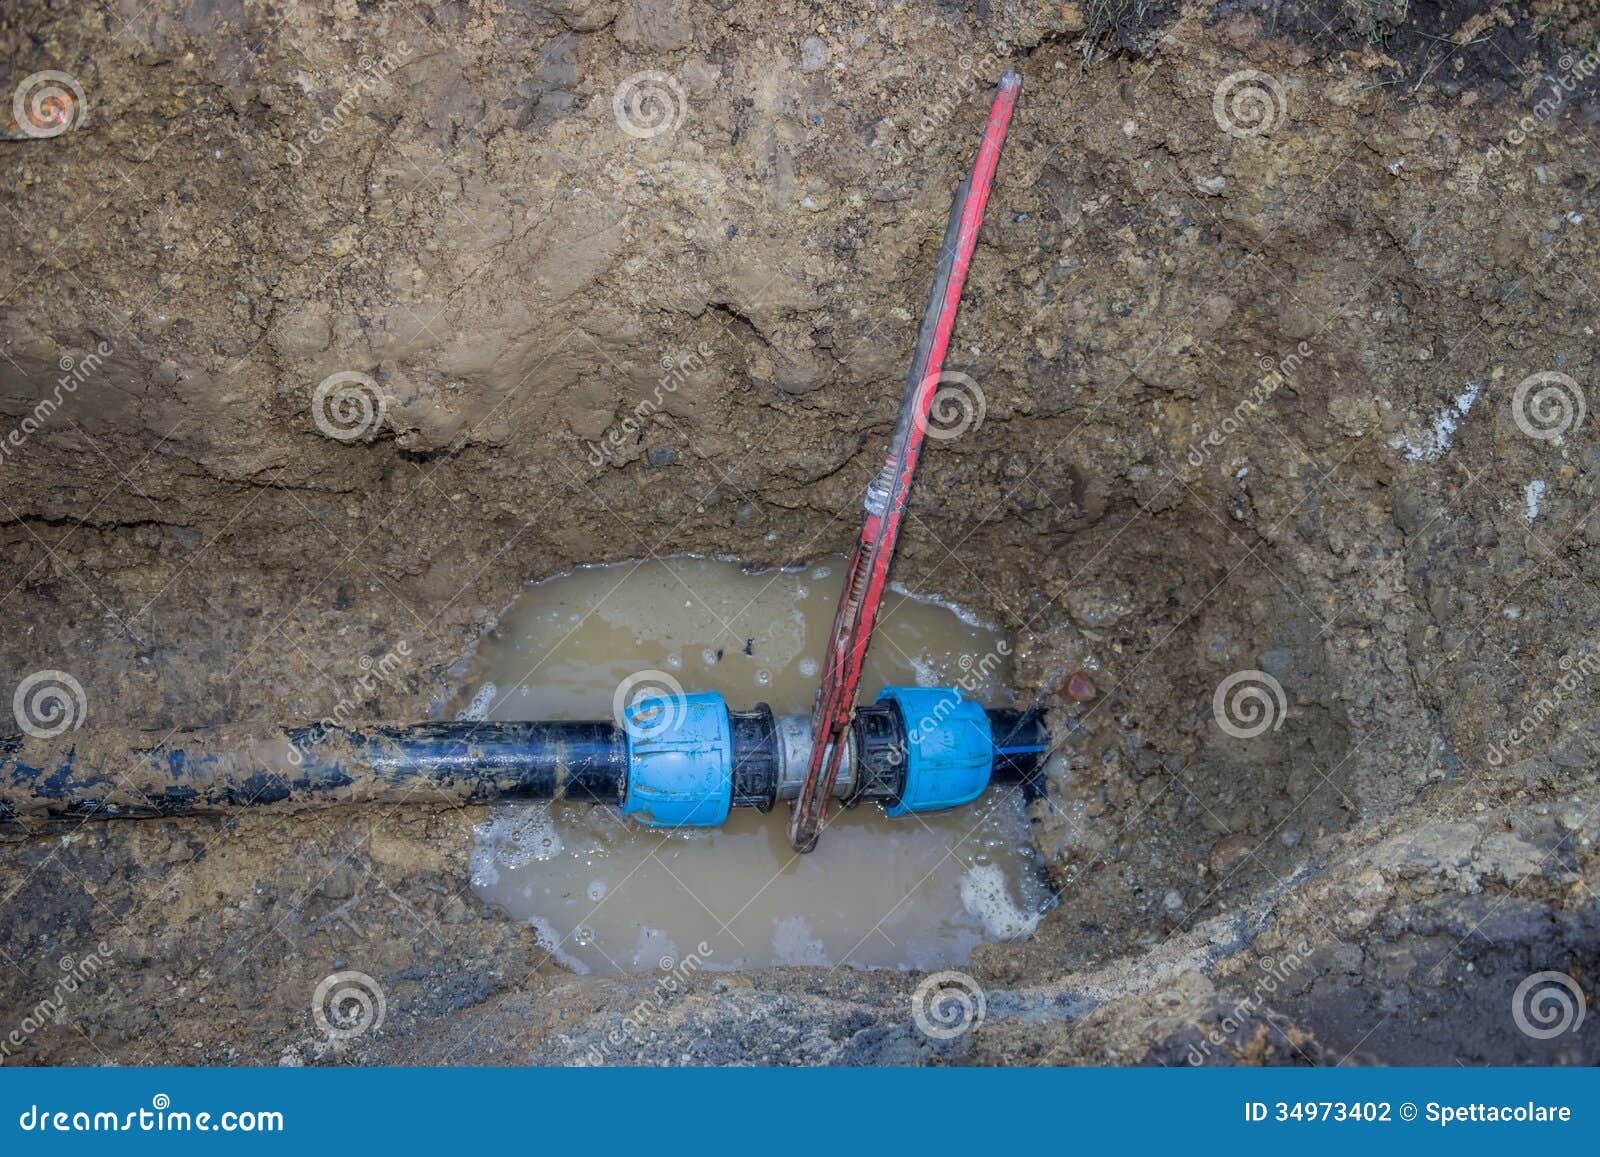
(949, 748)
(918, 749)
(680, 761)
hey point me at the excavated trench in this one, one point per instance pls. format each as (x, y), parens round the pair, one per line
(325, 331)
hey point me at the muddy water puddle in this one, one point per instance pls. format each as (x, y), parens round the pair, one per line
(608, 895)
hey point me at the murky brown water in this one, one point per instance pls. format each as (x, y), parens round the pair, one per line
(611, 896)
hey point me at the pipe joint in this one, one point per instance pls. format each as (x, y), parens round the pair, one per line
(680, 761)
(949, 748)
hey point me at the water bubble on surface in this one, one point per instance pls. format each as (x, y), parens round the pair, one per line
(478, 709)
(522, 834)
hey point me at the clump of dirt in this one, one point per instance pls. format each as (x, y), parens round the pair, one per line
(329, 329)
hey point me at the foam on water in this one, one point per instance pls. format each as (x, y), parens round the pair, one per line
(607, 895)
(986, 895)
(478, 708)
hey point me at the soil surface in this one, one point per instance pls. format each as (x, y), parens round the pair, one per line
(1260, 291)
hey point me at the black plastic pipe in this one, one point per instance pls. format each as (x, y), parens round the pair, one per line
(115, 773)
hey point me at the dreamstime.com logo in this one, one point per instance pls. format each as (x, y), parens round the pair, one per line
(76, 973)
(947, 1005)
(373, 76)
(348, 406)
(346, 1005)
(47, 104)
(1249, 703)
(637, 1023)
(1249, 104)
(948, 97)
(49, 703)
(160, 1117)
(1576, 671)
(958, 405)
(1547, 1004)
(974, 674)
(1548, 405)
(1275, 374)
(74, 373)
(648, 104)
(1250, 1009)
(648, 704)
(386, 671)
(1564, 84)
(676, 369)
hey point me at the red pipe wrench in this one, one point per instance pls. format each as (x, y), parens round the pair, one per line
(887, 493)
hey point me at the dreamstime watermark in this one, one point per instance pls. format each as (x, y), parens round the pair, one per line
(1275, 973)
(49, 703)
(648, 704)
(947, 1005)
(47, 104)
(975, 674)
(648, 104)
(636, 1023)
(1564, 84)
(160, 1117)
(948, 97)
(1547, 1004)
(348, 1004)
(384, 671)
(348, 406)
(1575, 672)
(1249, 703)
(372, 76)
(624, 435)
(958, 405)
(1249, 103)
(74, 373)
(1548, 405)
(1275, 374)
(76, 972)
